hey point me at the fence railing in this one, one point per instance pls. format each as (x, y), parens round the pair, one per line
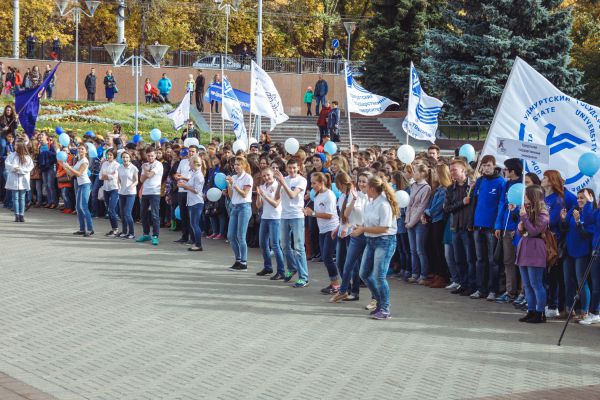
(180, 58)
(464, 129)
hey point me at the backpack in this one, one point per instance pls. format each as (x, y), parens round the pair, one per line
(551, 248)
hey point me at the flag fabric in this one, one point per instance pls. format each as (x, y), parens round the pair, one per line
(181, 114)
(232, 111)
(27, 104)
(533, 110)
(361, 101)
(213, 93)
(264, 97)
(421, 122)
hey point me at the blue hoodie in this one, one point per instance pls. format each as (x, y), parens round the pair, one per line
(488, 191)
(578, 236)
(46, 158)
(164, 85)
(503, 212)
(555, 205)
(436, 205)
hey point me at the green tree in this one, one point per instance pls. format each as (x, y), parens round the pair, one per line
(586, 46)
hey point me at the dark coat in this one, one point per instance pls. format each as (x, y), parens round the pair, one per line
(90, 83)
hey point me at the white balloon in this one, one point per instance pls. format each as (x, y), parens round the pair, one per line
(252, 141)
(406, 153)
(239, 145)
(291, 145)
(188, 142)
(214, 194)
(402, 198)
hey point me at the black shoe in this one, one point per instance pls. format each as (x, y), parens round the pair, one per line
(79, 233)
(195, 248)
(17, 219)
(527, 317)
(329, 290)
(466, 292)
(234, 266)
(21, 218)
(264, 272)
(90, 233)
(109, 233)
(458, 290)
(238, 266)
(189, 242)
(537, 318)
(276, 277)
(180, 241)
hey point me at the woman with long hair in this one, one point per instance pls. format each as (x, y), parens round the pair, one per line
(128, 181)
(346, 188)
(531, 253)
(270, 225)
(84, 187)
(379, 228)
(18, 165)
(239, 190)
(417, 229)
(399, 182)
(109, 175)
(8, 121)
(195, 200)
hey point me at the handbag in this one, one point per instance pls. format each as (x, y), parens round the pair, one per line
(35, 173)
(499, 252)
(552, 256)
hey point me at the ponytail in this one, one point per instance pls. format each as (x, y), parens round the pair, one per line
(322, 178)
(381, 186)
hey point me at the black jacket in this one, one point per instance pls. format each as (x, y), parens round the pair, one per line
(462, 215)
(200, 83)
(90, 83)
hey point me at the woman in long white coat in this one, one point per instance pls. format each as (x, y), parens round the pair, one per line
(18, 165)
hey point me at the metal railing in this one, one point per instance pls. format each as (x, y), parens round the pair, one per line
(464, 129)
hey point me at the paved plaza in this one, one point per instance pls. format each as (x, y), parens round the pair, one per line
(107, 319)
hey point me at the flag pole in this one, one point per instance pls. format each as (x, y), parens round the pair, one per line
(349, 118)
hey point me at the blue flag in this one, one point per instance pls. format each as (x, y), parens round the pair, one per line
(27, 104)
(213, 93)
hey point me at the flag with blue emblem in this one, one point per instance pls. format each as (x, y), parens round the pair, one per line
(421, 121)
(361, 101)
(181, 114)
(533, 110)
(232, 111)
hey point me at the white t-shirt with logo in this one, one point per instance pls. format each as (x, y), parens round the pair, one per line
(241, 181)
(83, 178)
(185, 171)
(293, 208)
(152, 185)
(110, 170)
(379, 213)
(326, 203)
(270, 212)
(126, 178)
(197, 182)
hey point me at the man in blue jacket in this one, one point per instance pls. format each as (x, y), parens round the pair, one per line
(506, 225)
(333, 122)
(320, 93)
(164, 87)
(487, 194)
(47, 165)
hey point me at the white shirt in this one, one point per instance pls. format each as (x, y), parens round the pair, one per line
(18, 177)
(197, 182)
(83, 178)
(357, 214)
(126, 178)
(110, 169)
(326, 203)
(293, 208)
(152, 185)
(241, 181)
(270, 212)
(184, 169)
(379, 213)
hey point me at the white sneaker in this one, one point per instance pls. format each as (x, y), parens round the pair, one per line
(372, 305)
(590, 319)
(491, 297)
(552, 312)
(475, 295)
(452, 286)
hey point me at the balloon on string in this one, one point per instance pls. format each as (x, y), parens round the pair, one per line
(252, 141)
(312, 194)
(191, 142)
(64, 139)
(589, 164)
(406, 153)
(291, 145)
(330, 148)
(61, 156)
(239, 145)
(515, 194)
(59, 130)
(213, 194)
(136, 138)
(92, 152)
(178, 213)
(403, 198)
(467, 151)
(220, 181)
(335, 190)
(155, 134)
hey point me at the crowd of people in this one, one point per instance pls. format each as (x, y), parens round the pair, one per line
(458, 231)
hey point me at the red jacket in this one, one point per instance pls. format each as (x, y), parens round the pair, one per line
(322, 120)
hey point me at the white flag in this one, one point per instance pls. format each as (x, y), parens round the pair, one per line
(264, 97)
(361, 101)
(232, 111)
(181, 114)
(531, 109)
(421, 122)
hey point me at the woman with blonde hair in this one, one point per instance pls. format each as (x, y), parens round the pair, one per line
(239, 190)
(84, 187)
(18, 166)
(416, 223)
(195, 199)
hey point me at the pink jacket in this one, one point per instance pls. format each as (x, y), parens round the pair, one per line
(419, 200)
(531, 251)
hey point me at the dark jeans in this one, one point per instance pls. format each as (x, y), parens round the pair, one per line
(126, 202)
(195, 212)
(308, 109)
(217, 224)
(556, 287)
(319, 102)
(573, 269)
(485, 266)
(322, 132)
(327, 245)
(200, 100)
(435, 249)
(417, 237)
(464, 255)
(97, 209)
(91, 96)
(340, 253)
(185, 215)
(49, 182)
(111, 197)
(356, 247)
(66, 195)
(595, 275)
(150, 208)
(403, 250)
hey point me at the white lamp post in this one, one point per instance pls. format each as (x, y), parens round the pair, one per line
(157, 52)
(77, 10)
(350, 26)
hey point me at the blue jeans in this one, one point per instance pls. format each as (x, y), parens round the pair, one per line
(451, 262)
(327, 246)
(484, 250)
(96, 185)
(268, 237)
(533, 283)
(354, 254)
(417, 237)
(595, 275)
(19, 201)
(341, 249)
(464, 255)
(296, 256)
(83, 212)
(319, 102)
(126, 202)
(36, 191)
(49, 179)
(403, 249)
(195, 213)
(111, 198)
(238, 227)
(150, 208)
(217, 224)
(374, 266)
(573, 271)
(66, 195)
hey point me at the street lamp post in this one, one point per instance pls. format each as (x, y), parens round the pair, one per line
(157, 52)
(350, 26)
(77, 10)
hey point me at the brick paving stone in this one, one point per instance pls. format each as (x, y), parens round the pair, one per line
(104, 318)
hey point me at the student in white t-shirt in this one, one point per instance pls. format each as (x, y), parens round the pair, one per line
(239, 189)
(151, 178)
(291, 192)
(193, 186)
(269, 232)
(379, 227)
(84, 187)
(128, 180)
(109, 177)
(183, 174)
(327, 219)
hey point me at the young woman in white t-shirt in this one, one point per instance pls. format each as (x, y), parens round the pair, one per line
(109, 176)
(84, 187)
(327, 220)
(239, 190)
(269, 233)
(18, 167)
(379, 227)
(128, 181)
(195, 199)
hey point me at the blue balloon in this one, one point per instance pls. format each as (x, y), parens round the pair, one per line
(59, 130)
(178, 213)
(61, 156)
(515, 194)
(467, 151)
(119, 159)
(589, 164)
(92, 152)
(335, 190)
(330, 147)
(64, 139)
(220, 181)
(90, 134)
(136, 138)
(155, 134)
(312, 194)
